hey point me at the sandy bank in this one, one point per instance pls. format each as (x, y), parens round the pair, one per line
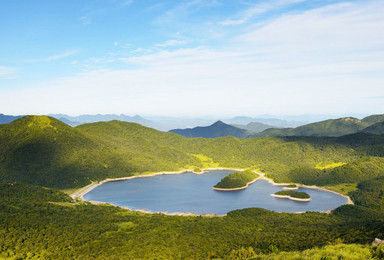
(289, 197)
(313, 187)
(288, 188)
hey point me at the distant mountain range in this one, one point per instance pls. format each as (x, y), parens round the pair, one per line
(218, 129)
(6, 119)
(83, 119)
(244, 120)
(254, 127)
(331, 127)
(241, 126)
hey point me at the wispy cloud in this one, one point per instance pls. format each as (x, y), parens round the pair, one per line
(128, 2)
(258, 9)
(54, 57)
(170, 43)
(6, 71)
(86, 19)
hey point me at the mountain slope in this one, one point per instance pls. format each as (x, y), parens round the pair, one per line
(218, 129)
(255, 127)
(377, 129)
(331, 127)
(373, 119)
(44, 151)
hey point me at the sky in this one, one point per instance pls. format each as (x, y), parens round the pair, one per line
(192, 57)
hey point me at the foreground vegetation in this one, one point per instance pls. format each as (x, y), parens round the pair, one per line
(237, 180)
(39, 222)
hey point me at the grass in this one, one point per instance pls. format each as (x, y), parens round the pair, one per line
(206, 161)
(341, 251)
(321, 166)
(344, 188)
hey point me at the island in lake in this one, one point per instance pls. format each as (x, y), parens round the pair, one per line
(291, 187)
(292, 195)
(237, 181)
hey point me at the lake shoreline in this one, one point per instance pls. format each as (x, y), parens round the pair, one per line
(313, 187)
(79, 194)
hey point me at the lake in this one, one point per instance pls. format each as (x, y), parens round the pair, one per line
(191, 192)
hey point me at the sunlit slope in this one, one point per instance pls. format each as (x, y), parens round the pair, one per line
(44, 151)
(146, 148)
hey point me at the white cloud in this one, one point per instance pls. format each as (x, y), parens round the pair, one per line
(170, 43)
(57, 56)
(325, 60)
(257, 9)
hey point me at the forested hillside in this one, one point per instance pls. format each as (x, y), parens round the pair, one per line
(331, 127)
(44, 151)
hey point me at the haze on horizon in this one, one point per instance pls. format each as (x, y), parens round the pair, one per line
(192, 57)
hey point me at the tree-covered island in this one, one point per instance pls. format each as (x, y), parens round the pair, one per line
(293, 195)
(236, 181)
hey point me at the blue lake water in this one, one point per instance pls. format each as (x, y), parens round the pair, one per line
(190, 192)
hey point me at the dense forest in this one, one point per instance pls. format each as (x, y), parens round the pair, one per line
(40, 152)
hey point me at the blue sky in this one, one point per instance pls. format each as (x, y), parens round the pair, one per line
(191, 58)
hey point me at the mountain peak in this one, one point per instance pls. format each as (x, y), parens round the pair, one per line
(41, 122)
(218, 123)
(217, 129)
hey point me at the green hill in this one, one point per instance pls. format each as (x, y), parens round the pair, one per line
(373, 119)
(377, 129)
(218, 129)
(293, 194)
(237, 180)
(331, 127)
(44, 151)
